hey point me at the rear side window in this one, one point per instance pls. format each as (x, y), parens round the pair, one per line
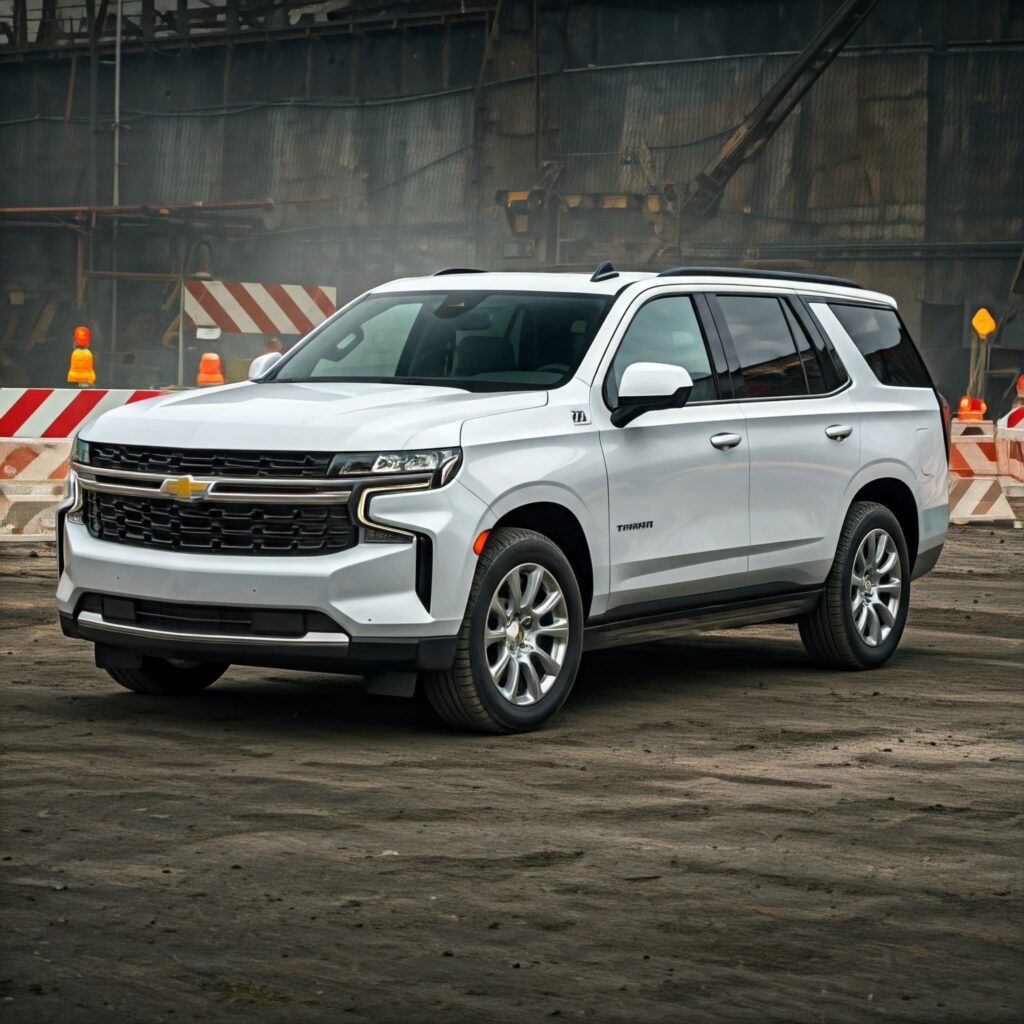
(884, 343)
(767, 352)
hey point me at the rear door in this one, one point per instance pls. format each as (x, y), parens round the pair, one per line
(803, 432)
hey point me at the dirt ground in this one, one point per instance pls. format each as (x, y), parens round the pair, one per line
(712, 830)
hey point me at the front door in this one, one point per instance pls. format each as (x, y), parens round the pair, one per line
(677, 478)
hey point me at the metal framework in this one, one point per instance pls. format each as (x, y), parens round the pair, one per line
(88, 24)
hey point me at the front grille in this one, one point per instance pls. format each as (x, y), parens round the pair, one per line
(219, 528)
(179, 462)
(208, 619)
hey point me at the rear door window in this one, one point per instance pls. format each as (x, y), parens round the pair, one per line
(769, 361)
(884, 342)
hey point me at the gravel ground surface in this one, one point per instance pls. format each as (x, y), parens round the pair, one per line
(712, 830)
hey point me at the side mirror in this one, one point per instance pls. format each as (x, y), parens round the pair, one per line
(646, 387)
(261, 364)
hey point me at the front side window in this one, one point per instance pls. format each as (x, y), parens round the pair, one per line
(666, 331)
(884, 343)
(769, 361)
(478, 341)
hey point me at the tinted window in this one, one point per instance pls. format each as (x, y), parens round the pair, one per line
(666, 331)
(479, 341)
(809, 356)
(884, 343)
(771, 365)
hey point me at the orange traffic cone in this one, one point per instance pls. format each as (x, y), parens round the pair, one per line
(81, 371)
(209, 370)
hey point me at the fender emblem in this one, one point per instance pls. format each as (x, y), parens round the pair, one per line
(580, 417)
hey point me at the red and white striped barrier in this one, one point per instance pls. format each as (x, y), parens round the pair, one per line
(36, 426)
(976, 493)
(974, 453)
(32, 476)
(239, 307)
(1010, 453)
(57, 412)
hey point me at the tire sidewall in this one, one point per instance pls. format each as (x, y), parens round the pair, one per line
(872, 657)
(546, 554)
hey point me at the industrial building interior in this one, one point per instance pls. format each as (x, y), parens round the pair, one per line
(345, 143)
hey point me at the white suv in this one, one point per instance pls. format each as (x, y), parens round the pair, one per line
(469, 479)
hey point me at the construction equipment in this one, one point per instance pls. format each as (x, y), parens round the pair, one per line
(702, 196)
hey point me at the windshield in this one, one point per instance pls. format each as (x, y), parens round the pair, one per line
(479, 341)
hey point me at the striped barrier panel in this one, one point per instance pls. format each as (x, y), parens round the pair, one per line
(32, 479)
(1010, 453)
(973, 451)
(36, 427)
(244, 307)
(978, 500)
(57, 412)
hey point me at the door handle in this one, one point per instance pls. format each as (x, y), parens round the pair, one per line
(723, 442)
(838, 432)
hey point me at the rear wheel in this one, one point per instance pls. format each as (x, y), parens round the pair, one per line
(861, 617)
(519, 646)
(168, 676)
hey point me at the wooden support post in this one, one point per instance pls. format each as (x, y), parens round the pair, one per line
(69, 102)
(148, 20)
(20, 23)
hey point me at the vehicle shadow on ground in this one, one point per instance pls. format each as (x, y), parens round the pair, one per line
(256, 700)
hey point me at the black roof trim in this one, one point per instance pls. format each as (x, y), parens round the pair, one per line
(605, 272)
(771, 275)
(458, 270)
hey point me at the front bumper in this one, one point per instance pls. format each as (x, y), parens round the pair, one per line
(369, 591)
(316, 652)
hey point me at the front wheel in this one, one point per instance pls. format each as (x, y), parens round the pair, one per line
(861, 617)
(520, 642)
(168, 676)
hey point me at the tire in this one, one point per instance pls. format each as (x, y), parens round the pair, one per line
(468, 696)
(839, 633)
(168, 678)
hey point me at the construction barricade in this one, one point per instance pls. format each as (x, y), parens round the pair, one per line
(36, 427)
(977, 483)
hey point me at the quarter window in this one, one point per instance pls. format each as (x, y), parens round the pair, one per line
(770, 363)
(666, 331)
(884, 343)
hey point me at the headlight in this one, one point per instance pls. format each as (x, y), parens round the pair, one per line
(389, 473)
(441, 463)
(80, 451)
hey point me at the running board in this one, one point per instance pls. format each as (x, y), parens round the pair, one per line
(668, 625)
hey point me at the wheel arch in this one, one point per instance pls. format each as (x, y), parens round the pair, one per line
(899, 499)
(563, 528)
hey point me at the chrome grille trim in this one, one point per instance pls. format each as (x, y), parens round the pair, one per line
(248, 490)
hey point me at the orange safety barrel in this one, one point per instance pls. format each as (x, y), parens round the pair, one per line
(210, 371)
(971, 409)
(81, 369)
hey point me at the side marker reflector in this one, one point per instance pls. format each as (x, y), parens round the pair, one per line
(478, 544)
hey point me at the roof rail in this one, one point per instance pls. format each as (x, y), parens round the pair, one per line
(605, 272)
(458, 270)
(771, 275)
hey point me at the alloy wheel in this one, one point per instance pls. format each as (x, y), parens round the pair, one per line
(876, 585)
(526, 634)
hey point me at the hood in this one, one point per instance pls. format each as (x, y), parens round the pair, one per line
(305, 417)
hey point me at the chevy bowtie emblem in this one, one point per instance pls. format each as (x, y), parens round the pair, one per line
(185, 488)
